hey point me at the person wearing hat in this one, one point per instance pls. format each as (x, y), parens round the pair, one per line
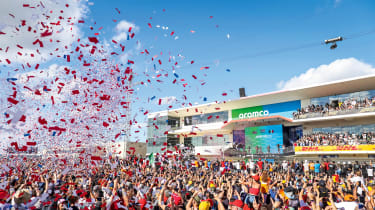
(21, 198)
(236, 205)
(204, 205)
(254, 189)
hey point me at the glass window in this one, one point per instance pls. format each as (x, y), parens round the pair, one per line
(209, 140)
(172, 140)
(344, 98)
(187, 141)
(188, 120)
(207, 118)
(174, 122)
(357, 129)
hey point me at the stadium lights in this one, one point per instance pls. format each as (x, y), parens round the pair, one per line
(333, 42)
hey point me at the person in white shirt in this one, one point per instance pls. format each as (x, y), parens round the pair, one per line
(352, 205)
(285, 165)
(306, 167)
(252, 165)
(358, 178)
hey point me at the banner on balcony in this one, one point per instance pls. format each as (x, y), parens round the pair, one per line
(366, 148)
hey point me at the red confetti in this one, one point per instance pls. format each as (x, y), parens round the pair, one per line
(56, 128)
(42, 121)
(23, 118)
(105, 124)
(46, 33)
(93, 40)
(13, 101)
(74, 92)
(38, 41)
(149, 25)
(31, 143)
(96, 158)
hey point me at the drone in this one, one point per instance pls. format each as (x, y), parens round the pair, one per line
(333, 42)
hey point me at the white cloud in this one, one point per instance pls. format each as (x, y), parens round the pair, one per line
(125, 25)
(122, 30)
(47, 13)
(126, 56)
(337, 70)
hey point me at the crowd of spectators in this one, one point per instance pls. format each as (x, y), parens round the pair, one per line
(349, 104)
(326, 139)
(175, 182)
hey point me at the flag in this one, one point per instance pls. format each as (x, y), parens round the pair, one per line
(151, 158)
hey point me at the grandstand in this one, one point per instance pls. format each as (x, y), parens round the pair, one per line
(335, 120)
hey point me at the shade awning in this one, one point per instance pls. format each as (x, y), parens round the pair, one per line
(275, 118)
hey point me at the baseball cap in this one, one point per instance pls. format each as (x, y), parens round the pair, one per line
(237, 203)
(205, 205)
(256, 177)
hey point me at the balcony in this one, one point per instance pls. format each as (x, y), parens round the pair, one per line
(332, 112)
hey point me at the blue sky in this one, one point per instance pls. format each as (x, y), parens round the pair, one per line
(254, 28)
(261, 43)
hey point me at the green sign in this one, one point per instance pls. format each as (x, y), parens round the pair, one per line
(249, 112)
(284, 109)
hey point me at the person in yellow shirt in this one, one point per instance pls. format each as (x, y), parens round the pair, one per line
(264, 182)
(312, 167)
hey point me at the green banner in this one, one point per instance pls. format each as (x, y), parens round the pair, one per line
(249, 112)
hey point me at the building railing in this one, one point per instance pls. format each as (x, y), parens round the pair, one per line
(334, 113)
(273, 153)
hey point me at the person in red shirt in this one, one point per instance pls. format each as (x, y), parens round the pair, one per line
(260, 164)
(326, 166)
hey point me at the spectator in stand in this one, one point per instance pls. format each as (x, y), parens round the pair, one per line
(338, 106)
(321, 139)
